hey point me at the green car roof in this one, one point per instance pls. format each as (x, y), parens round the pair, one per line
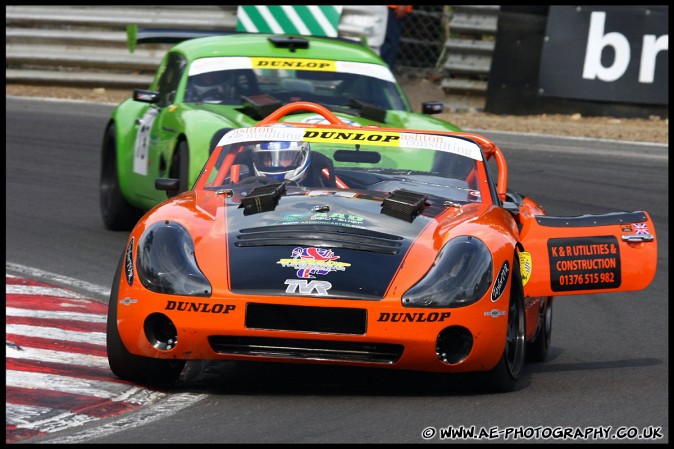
(253, 45)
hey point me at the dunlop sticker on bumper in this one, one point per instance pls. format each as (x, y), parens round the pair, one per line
(584, 263)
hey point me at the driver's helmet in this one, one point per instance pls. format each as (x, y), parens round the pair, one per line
(207, 79)
(282, 160)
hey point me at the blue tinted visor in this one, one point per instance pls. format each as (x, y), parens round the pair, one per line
(277, 157)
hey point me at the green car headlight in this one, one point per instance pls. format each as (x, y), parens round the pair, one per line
(166, 262)
(461, 275)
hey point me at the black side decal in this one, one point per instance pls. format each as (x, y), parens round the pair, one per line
(501, 281)
(128, 262)
(584, 263)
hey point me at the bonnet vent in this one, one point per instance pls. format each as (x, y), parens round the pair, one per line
(262, 199)
(404, 204)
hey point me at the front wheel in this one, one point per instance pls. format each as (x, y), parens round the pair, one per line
(503, 378)
(117, 213)
(145, 370)
(180, 167)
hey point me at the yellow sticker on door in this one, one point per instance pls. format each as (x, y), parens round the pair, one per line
(525, 267)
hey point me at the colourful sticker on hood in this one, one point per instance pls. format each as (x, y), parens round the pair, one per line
(311, 261)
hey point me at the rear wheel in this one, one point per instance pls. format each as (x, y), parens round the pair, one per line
(117, 213)
(145, 370)
(537, 350)
(504, 376)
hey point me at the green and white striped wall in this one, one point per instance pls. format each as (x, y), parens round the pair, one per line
(317, 20)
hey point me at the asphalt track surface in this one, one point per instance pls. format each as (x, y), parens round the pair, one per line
(606, 375)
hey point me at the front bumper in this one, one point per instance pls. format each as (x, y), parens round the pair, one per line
(314, 330)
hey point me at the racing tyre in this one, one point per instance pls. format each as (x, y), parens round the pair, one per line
(537, 350)
(117, 213)
(503, 378)
(180, 167)
(216, 139)
(144, 370)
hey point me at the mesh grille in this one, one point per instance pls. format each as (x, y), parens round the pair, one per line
(287, 348)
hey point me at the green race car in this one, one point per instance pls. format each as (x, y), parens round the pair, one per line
(208, 85)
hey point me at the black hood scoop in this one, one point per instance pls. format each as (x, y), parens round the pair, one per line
(262, 199)
(404, 204)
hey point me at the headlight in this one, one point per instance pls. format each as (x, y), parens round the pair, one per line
(166, 262)
(461, 274)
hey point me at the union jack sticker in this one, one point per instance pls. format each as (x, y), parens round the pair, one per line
(641, 228)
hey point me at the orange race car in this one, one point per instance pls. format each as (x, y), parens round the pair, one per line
(329, 243)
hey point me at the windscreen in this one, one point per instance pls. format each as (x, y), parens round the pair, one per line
(357, 159)
(225, 80)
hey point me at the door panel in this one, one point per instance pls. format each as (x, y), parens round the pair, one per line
(588, 254)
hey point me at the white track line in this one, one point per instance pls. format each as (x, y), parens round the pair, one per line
(53, 333)
(51, 314)
(156, 405)
(51, 356)
(112, 391)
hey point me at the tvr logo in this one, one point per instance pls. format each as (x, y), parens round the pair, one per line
(307, 287)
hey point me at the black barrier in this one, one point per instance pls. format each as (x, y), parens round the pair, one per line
(606, 53)
(594, 60)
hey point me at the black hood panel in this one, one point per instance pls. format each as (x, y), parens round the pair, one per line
(329, 244)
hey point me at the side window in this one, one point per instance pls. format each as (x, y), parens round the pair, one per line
(169, 80)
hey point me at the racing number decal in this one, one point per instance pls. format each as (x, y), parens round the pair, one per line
(140, 156)
(584, 263)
